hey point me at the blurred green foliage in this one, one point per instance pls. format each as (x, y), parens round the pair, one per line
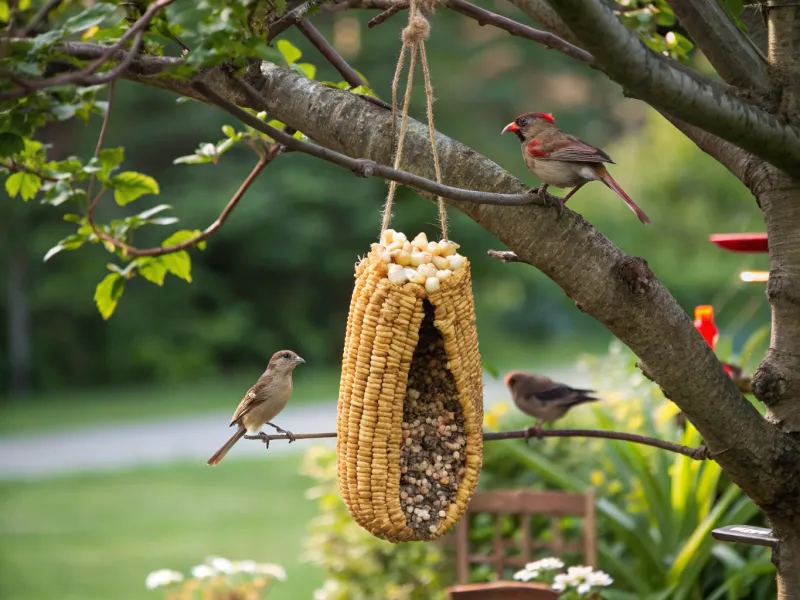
(279, 273)
(655, 510)
(356, 564)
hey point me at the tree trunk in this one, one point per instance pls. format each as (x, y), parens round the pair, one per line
(777, 381)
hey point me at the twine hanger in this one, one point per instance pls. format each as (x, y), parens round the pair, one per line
(414, 36)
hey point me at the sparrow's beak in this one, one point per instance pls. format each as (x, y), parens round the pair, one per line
(510, 127)
(298, 359)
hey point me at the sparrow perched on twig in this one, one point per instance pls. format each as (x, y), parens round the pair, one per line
(542, 398)
(562, 160)
(263, 402)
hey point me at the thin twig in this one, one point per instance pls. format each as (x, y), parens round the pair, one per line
(699, 453)
(362, 167)
(387, 13)
(545, 38)
(40, 16)
(84, 76)
(330, 53)
(504, 255)
(293, 17)
(208, 231)
(15, 167)
(100, 139)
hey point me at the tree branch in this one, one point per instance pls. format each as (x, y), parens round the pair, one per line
(262, 163)
(364, 168)
(734, 56)
(329, 52)
(85, 75)
(628, 62)
(617, 289)
(39, 17)
(699, 453)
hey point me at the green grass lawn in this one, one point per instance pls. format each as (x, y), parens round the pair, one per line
(95, 537)
(87, 407)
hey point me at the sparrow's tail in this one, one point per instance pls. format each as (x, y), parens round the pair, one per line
(606, 178)
(220, 454)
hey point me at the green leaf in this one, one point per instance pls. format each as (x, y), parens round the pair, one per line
(94, 15)
(150, 212)
(107, 294)
(305, 69)
(289, 51)
(179, 264)
(106, 161)
(130, 185)
(72, 242)
(72, 218)
(181, 236)
(229, 131)
(152, 269)
(491, 370)
(23, 183)
(10, 144)
(193, 159)
(4, 14)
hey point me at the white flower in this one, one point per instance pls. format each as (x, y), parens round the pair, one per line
(161, 578)
(599, 578)
(545, 564)
(560, 584)
(579, 571)
(525, 575)
(330, 587)
(271, 569)
(203, 571)
(244, 566)
(223, 565)
(584, 588)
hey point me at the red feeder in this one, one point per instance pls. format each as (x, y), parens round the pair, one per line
(753, 243)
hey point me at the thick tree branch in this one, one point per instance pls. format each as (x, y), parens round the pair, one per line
(734, 56)
(628, 62)
(699, 453)
(618, 290)
(365, 168)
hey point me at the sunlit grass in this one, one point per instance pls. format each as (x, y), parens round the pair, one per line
(95, 537)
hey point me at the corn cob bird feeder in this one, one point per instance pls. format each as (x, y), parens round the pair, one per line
(409, 438)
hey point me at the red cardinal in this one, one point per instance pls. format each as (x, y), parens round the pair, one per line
(562, 160)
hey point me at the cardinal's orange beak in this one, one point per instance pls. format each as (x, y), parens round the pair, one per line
(510, 127)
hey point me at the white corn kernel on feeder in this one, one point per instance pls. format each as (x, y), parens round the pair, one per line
(410, 412)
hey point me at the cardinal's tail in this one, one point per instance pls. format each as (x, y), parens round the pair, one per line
(220, 454)
(606, 178)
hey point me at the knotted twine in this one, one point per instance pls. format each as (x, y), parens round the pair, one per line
(414, 36)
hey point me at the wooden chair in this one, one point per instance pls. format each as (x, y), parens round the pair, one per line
(526, 504)
(502, 590)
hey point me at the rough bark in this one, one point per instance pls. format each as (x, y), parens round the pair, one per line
(737, 60)
(625, 59)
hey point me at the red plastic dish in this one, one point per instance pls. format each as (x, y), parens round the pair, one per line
(753, 243)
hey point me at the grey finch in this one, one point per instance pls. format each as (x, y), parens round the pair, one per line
(263, 402)
(542, 398)
(562, 160)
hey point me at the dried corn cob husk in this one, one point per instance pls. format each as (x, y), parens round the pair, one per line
(409, 438)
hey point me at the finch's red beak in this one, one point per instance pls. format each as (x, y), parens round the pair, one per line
(510, 127)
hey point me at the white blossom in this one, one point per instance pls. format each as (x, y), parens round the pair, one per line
(271, 569)
(584, 588)
(161, 578)
(546, 564)
(599, 579)
(244, 566)
(223, 565)
(525, 575)
(579, 571)
(203, 571)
